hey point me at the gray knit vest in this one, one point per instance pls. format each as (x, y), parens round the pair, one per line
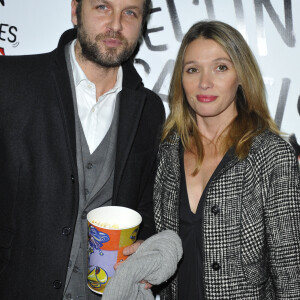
(95, 193)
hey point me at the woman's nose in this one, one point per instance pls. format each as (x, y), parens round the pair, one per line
(205, 80)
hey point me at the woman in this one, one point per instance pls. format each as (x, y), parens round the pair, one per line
(226, 181)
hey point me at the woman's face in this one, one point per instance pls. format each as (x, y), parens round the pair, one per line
(210, 81)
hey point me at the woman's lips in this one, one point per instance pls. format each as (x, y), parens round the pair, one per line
(206, 98)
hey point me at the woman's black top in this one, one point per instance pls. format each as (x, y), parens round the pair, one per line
(191, 267)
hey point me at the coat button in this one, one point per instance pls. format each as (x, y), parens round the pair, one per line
(216, 266)
(73, 178)
(89, 165)
(215, 209)
(57, 284)
(66, 231)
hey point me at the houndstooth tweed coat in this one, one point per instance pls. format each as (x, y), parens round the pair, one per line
(254, 234)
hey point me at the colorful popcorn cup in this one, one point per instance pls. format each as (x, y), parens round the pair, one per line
(110, 230)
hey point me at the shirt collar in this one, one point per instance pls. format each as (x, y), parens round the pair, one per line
(79, 75)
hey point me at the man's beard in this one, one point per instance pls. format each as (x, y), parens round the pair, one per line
(108, 58)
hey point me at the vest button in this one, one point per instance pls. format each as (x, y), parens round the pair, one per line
(73, 178)
(76, 269)
(57, 284)
(83, 215)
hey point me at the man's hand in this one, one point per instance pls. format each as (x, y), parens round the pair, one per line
(130, 250)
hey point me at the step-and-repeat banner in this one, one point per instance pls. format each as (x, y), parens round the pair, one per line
(271, 27)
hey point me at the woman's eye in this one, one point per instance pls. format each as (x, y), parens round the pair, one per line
(222, 68)
(191, 70)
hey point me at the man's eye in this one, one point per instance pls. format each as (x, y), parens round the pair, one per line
(102, 7)
(130, 13)
(222, 68)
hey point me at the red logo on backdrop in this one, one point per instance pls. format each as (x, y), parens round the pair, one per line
(2, 51)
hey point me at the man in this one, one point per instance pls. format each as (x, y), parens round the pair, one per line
(77, 130)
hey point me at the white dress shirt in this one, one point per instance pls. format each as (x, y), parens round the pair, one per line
(95, 115)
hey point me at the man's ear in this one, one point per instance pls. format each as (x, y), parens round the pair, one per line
(74, 4)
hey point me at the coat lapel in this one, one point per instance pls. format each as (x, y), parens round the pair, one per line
(64, 93)
(131, 106)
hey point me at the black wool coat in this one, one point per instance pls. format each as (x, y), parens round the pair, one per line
(38, 178)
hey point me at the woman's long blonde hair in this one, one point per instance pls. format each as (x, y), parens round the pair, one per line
(253, 115)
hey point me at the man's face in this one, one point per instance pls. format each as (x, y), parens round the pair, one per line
(108, 30)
